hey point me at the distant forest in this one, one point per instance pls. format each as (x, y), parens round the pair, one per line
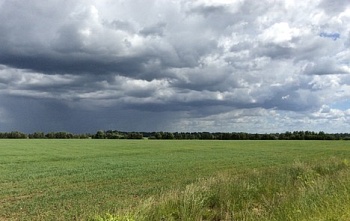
(114, 134)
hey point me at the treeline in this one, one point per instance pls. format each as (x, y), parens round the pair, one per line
(42, 135)
(296, 135)
(66, 135)
(114, 134)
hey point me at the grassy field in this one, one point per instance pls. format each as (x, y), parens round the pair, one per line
(174, 180)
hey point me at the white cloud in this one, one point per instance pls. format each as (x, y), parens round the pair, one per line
(279, 33)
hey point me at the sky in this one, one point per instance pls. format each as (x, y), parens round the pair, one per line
(160, 65)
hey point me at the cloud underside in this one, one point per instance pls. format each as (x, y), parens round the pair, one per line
(161, 65)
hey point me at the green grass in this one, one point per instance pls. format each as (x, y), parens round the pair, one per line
(295, 192)
(150, 179)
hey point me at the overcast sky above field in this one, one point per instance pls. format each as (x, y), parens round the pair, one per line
(206, 65)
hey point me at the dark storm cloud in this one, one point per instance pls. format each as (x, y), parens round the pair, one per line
(207, 11)
(276, 51)
(121, 25)
(154, 30)
(297, 100)
(65, 47)
(76, 64)
(176, 65)
(334, 7)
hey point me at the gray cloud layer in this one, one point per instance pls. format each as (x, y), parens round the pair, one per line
(256, 66)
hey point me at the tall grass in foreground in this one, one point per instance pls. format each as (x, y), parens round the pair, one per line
(301, 191)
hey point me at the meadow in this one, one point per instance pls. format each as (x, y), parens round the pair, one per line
(174, 180)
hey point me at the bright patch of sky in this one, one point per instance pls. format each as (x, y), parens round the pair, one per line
(342, 105)
(333, 36)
